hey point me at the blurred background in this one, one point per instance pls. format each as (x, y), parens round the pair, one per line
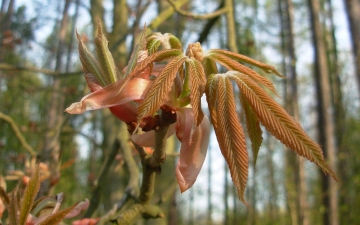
(315, 44)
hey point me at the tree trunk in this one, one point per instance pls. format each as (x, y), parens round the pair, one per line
(339, 110)
(295, 172)
(51, 149)
(273, 210)
(226, 195)
(353, 14)
(120, 24)
(230, 22)
(209, 190)
(325, 123)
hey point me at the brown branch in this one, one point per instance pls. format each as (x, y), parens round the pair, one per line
(18, 133)
(5, 66)
(207, 16)
(152, 164)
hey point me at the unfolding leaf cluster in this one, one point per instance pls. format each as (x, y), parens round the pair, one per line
(191, 74)
(187, 76)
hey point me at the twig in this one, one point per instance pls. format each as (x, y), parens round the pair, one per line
(210, 23)
(168, 116)
(18, 133)
(198, 16)
(5, 66)
(164, 15)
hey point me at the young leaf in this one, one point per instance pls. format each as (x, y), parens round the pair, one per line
(157, 93)
(28, 198)
(57, 217)
(89, 63)
(252, 126)
(156, 57)
(141, 46)
(153, 45)
(175, 43)
(209, 66)
(106, 61)
(13, 207)
(168, 41)
(278, 122)
(233, 65)
(266, 68)
(197, 86)
(4, 196)
(228, 130)
(41, 203)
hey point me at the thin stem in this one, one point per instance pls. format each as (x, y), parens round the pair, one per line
(207, 16)
(18, 133)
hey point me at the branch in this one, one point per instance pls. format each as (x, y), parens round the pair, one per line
(152, 164)
(18, 133)
(231, 33)
(207, 16)
(132, 188)
(205, 32)
(164, 15)
(131, 29)
(5, 66)
(100, 182)
(147, 211)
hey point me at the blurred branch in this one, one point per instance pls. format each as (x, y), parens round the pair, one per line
(100, 182)
(18, 133)
(5, 66)
(231, 39)
(164, 15)
(207, 16)
(205, 32)
(132, 29)
(132, 188)
(147, 211)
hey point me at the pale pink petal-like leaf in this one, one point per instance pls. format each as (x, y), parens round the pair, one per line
(192, 154)
(110, 96)
(78, 208)
(147, 139)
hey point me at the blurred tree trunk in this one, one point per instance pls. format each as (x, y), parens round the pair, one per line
(325, 122)
(209, 188)
(295, 182)
(6, 15)
(353, 14)
(339, 111)
(51, 150)
(226, 194)
(273, 209)
(119, 30)
(110, 126)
